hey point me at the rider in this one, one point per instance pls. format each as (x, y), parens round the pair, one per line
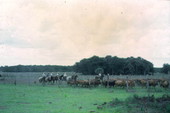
(43, 75)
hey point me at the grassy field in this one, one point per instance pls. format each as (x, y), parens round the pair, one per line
(65, 99)
(21, 93)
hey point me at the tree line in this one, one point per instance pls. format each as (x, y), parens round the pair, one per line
(112, 65)
(36, 68)
(115, 65)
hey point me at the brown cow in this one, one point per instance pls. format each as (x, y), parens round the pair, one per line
(131, 83)
(141, 82)
(153, 82)
(83, 83)
(71, 83)
(120, 83)
(164, 83)
(94, 82)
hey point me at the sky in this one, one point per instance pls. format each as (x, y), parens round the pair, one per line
(62, 32)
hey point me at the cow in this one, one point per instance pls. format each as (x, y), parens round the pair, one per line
(110, 83)
(153, 82)
(94, 82)
(120, 83)
(83, 83)
(141, 82)
(131, 83)
(71, 83)
(164, 83)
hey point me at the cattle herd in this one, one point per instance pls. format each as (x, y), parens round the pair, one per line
(100, 81)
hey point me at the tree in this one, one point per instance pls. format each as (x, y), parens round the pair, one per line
(99, 70)
(166, 68)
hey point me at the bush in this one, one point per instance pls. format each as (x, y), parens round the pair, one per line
(168, 108)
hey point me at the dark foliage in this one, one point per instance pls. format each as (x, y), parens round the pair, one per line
(36, 68)
(115, 65)
(166, 69)
(110, 65)
(146, 104)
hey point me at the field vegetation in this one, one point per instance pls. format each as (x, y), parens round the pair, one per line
(66, 99)
(22, 93)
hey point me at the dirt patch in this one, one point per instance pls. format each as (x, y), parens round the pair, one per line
(3, 107)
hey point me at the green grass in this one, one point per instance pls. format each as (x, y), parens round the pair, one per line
(52, 99)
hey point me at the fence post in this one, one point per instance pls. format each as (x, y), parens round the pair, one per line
(127, 85)
(107, 80)
(147, 83)
(15, 81)
(89, 83)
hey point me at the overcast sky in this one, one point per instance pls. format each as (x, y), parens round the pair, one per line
(62, 32)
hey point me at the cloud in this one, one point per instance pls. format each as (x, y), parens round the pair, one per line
(8, 38)
(63, 32)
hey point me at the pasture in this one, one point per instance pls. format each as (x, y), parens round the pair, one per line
(29, 96)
